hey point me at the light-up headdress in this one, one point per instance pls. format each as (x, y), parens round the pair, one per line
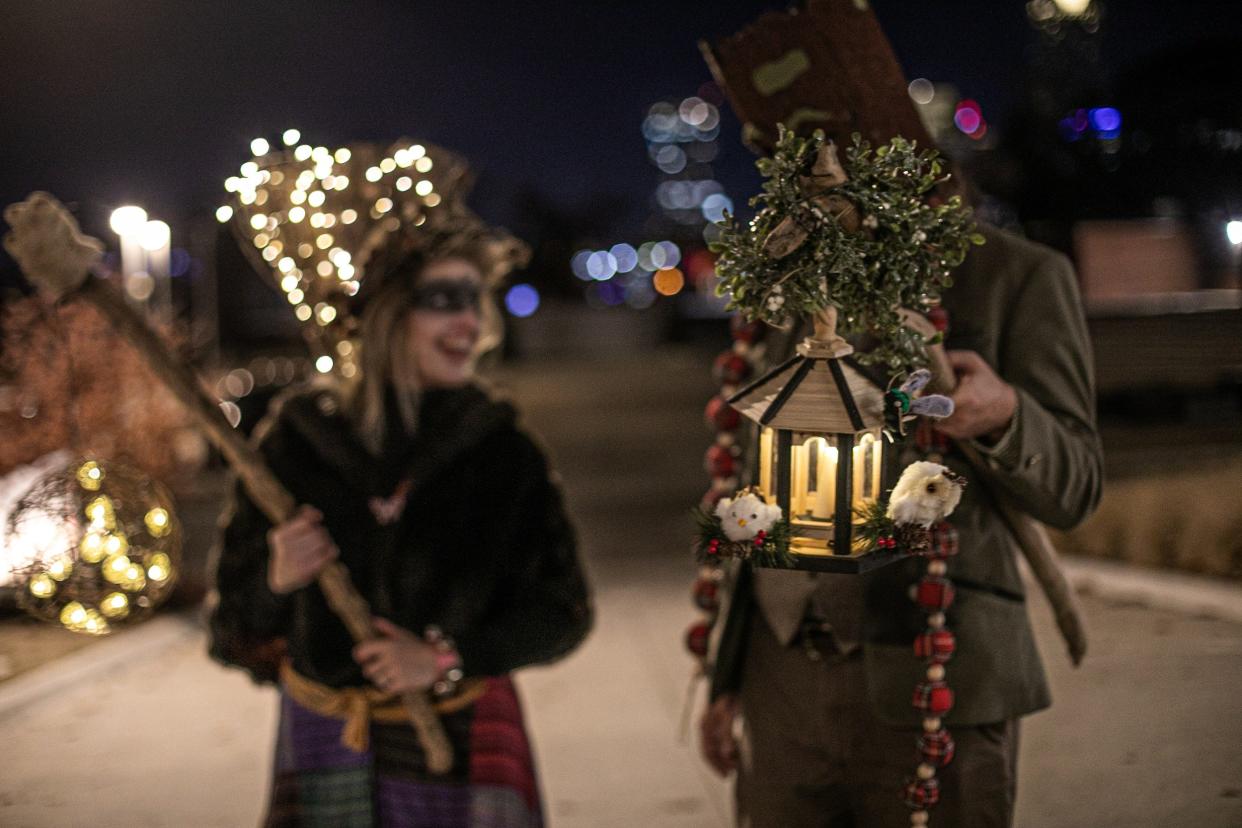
(331, 225)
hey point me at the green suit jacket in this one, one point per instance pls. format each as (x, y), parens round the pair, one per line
(1016, 303)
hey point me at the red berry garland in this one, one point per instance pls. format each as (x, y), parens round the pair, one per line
(935, 646)
(934, 594)
(722, 416)
(721, 461)
(933, 697)
(697, 636)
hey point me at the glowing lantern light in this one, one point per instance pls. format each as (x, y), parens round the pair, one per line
(821, 451)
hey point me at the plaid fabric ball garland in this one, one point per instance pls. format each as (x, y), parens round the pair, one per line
(731, 368)
(935, 646)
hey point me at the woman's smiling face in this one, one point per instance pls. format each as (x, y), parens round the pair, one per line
(445, 323)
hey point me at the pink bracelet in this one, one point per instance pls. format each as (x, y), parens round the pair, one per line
(448, 662)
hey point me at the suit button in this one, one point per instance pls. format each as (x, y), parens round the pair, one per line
(1033, 460)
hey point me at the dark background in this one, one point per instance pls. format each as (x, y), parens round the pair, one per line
(156, 102)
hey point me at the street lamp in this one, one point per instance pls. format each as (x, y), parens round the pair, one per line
(155, 238)
(128, 220)
(144, 256)
(1073, 8)
(128, 223)
(1233, 230)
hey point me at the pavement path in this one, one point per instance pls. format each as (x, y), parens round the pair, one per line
(143, 730)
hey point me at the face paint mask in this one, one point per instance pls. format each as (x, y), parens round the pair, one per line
(446, 296)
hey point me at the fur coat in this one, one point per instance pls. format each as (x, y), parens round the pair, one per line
(481, 547)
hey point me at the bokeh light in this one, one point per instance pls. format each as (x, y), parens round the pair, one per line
(155, 235)
(610, 293)
(625, 256)
(578, 264)
(639, 293)
(1073, 8)
(601, 265)
(715, 206)
(921, 91)
(522, 300)
(668, 281)
(127, 221)
(1106, 121)
(665, 254)
(968, 116)
(1233, 231)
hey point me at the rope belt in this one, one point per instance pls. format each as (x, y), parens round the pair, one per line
(358, 707)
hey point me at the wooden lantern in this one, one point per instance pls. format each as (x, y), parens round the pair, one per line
(821, 449)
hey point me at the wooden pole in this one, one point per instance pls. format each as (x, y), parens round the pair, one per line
(1031, 536)
(55, 257)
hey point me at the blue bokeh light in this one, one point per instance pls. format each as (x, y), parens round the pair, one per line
(1106, 121)
(625, 255)
(715, 206)
(522, 300)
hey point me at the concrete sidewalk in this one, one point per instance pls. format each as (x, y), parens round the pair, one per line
(144, 730)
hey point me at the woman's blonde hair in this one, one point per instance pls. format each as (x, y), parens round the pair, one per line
(386, 362)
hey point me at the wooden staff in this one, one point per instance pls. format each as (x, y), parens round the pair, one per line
(1031, 535)
(56, 257)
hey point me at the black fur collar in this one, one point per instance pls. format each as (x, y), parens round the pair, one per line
(450, 422)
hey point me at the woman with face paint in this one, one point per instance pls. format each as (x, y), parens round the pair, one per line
(445, 516)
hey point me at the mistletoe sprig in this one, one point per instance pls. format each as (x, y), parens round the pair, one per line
(865, 236)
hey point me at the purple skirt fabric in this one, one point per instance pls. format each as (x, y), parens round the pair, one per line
(319, 782)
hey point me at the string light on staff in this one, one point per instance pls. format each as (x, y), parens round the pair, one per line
(95, 545)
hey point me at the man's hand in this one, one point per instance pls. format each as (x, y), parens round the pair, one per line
(716, 740)
(299, 548)
(983, 403)
(398, 661)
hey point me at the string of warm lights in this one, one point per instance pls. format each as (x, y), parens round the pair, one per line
(314, 217)
(96, 546)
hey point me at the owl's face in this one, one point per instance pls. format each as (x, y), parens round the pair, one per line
(925, 493)
(744, 517)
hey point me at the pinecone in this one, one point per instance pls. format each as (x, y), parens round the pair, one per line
(914, 539)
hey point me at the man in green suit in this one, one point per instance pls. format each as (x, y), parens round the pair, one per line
(821, 667)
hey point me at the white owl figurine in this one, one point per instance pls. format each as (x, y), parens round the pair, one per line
(745, 516)
(925, 493)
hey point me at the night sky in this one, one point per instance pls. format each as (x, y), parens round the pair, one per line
(155, 103)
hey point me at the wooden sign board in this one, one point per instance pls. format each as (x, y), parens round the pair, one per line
(826, 65)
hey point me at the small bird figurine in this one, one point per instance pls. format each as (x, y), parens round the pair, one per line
(902, 406)
(925, 493)
(744, 516)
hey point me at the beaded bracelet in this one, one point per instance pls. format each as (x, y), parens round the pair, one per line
(448, 661)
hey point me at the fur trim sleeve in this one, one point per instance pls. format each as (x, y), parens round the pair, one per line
(542, 609)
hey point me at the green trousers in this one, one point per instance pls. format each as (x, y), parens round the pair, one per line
(814, 754)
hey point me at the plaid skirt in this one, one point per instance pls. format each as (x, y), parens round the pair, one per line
(319, 782)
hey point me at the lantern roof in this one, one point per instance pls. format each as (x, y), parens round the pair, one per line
(812, 393)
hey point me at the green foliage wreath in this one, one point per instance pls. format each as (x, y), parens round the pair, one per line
(866, 236)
